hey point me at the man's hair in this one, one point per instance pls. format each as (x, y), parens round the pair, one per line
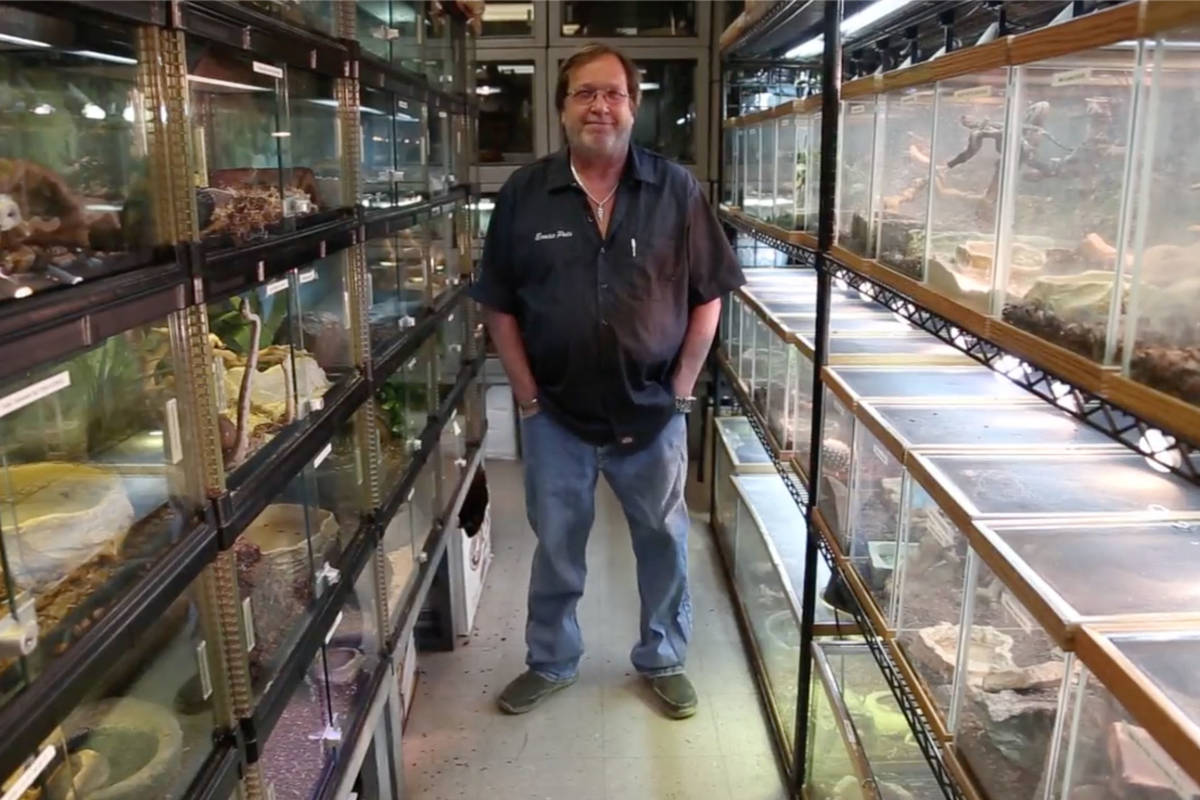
(586, 55)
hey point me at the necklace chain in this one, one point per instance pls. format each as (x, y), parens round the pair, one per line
(600, 204)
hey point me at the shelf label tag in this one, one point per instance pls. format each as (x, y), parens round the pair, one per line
(1017, 611)
(270, 70)
(308, 276)
(31, 774)
(248, 621)
(333, 628)
(858, 108)
(324, 454)
(275, 287)
(174, 441)
(1081, 75)
(973, 92)
(33, 393)
(206, 687)
(402, 103)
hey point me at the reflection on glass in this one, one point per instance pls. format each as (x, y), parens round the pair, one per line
(299, 749)
(448, 248)
(75, 187)
(315, 15)
(902, 199)
(352, 655)
(876, 481)
(505, 94)
(403, 403)
(750, 175)
(315, 151)
(441, 169)
(93, 463)
(593, 20)
(1068, 191)
(855, 173)
(451, 337)
(378, 147)
(399, 284)
(830, 773)
(1008, 656)
(508, 18)
(1161, 341)
(666, 118)
(969, 143)
(386, 25)
(339, 487)
(146, 727)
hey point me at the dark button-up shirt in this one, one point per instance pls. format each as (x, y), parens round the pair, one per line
(603, 319)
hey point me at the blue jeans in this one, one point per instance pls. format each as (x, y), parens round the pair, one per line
(560, 498)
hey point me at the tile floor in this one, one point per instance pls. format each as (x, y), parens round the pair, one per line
(602, 738)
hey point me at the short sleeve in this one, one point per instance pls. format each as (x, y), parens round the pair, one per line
(496, 287)
(712, 266)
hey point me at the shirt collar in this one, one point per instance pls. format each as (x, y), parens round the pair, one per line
(636, 166)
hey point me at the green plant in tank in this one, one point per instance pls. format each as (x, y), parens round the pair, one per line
(234, 330)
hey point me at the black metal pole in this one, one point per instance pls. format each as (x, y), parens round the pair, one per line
(831, 80)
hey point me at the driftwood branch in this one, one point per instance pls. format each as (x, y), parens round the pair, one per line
(242, 443)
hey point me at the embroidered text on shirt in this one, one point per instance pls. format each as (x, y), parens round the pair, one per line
(559, 234)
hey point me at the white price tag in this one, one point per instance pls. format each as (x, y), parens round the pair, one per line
(308, 276)
(324, 454)
(174, 440)
(248, 621)
(973, 92)
(275, 287)
(1072, 76)
(270, 70)
(30, 394)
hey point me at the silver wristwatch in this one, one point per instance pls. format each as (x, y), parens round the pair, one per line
(683, 405)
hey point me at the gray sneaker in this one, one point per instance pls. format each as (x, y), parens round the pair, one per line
(528, 690)
(677, 694)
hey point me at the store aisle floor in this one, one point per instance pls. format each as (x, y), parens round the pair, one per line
(601, 739)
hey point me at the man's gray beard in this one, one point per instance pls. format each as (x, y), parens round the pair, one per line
(620, 146)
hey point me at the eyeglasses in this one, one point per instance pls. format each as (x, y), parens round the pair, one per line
(585, 97)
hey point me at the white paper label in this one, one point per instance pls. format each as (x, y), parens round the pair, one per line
(248, 621)
(270, 70)
(308, 276)
(174, 442)
(275, 287)
(973, 92)
(30, 394)
(1082, 75)
(30, 775)
(402, 103)
(857, 108)
(316, 403)
(333, 628)
(324, 454)
(1018, 612)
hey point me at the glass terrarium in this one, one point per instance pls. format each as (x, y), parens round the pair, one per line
(452, 453)
(411, 181)
(863, 321)
(902, 194)
(403, 403)
(855, 171)
(852, 706)
(789, 392)
(833, 490)
(766, 170)
(146, 726)
(314, 152)
(750, 175)
(339, 487)
(316, 15)
(1160, 340)
(765, 339)
(916, 348)
(97, 479)
(398, 278)
(404, 538)
(277, 349)
(451, 337)
(804, 181)
(589, 19)
(378, 168)
(441, 167)
(967, 162)
(737, 173)
(783, 212)
(247, 186)
(352, 654)
(740, 452)
(506, 111)
(748, 352)
(299, 752)
(78, 196)
(375, 28)
(1068, 193)
(729, 156)
(1106, 744)
(814, 181)
(449, 249)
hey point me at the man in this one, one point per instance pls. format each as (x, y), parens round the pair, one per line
(602, 276)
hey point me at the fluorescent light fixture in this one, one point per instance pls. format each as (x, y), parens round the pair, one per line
(4, 37)
(485, 91)
(649, 86)
(93, 111)
(103, 56)
(245, 87)
(43, 109)
(850, 25)
(515, 69)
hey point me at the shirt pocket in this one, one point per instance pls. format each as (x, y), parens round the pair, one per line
(652, 266)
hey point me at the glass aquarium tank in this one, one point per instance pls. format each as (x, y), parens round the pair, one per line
(852, 707)
(449, 246)
(588, 19)
(451, 338)
(666, 119)
(452, 452)
(855, 175)
(352, 655)
(277, 349)
(766, 170)
(967, 160)
(398, 277)
(376, 117)
(314, 147)
(750, 175)
(902, 193)
(814, 182)
(316, 15)
(97, 469)
(740, 452)
(1115, 736)
(299, 753)
(783, 212)
(1160, 342)
(404, 538)
(80, 198)
(146, 726)
(403, 403)
(504, 90)
(388, 30)
(738, 172)
(441, 168)
(729, 164)
(338, 486)
(915, 348)
(412, 180)
(804, 180)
